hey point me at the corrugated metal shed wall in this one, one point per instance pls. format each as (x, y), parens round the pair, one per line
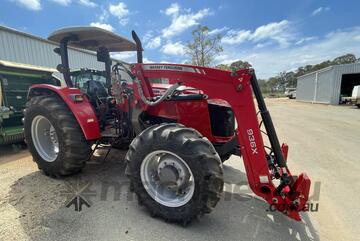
(305, 89)
(316, 87)
(339, 70)
(324, 86)
(23, 48)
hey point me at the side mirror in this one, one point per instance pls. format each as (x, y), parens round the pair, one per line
(103, 55)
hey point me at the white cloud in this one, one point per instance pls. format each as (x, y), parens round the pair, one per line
(218, 30)
(224, 59)
(173, 49)
(34, 5)
(124, 21)
(357, 37)
(154, 43)
(120, 11)
(270, 61)
(320, 10)
(181, 22)
(147, 36)
(103, 16)
(125, 56)
(263, 45)
(173, 9)
(150, 41)
(280, 32)
(146, 60)
(103, 26)
(304, 40)
(236, 37)
(87, 3)
(62, 2)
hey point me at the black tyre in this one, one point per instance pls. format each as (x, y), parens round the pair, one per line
(225, 157)
(121, 145)
(185, 178)
(54, 137)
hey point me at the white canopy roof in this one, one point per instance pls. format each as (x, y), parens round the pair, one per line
(92, 38)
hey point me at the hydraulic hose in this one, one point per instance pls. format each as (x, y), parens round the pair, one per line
(167, 93)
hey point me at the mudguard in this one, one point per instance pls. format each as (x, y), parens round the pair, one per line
(82, 111)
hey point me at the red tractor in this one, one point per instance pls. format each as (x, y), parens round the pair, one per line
(179, 123)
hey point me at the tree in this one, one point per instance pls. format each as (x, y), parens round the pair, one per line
(263, 85)
(345, 59)
(290, 79)
(234, 66)
(223, 67)
(204, 47)
(240, 65)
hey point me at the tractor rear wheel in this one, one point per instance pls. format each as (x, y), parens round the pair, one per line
(175, 172)
(54, 137)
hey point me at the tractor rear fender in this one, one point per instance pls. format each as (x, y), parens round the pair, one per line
(82, 110)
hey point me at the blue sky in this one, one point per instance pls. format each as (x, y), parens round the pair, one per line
(273, 35)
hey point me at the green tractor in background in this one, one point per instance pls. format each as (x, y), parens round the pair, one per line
(15, 80)
(81, 76)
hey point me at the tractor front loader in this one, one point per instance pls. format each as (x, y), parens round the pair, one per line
(177, 121)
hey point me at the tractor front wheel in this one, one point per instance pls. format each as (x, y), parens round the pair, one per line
(54, 137)
(175, 172)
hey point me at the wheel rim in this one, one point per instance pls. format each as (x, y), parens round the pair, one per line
(167, 178)
(45, 138)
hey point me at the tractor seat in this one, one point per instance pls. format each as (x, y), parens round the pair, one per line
(96, 89)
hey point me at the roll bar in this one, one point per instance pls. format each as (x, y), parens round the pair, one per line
(94, 39)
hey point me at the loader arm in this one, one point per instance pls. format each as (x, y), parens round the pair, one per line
(237, 89)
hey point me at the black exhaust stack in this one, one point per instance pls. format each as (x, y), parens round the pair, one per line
(139, 48)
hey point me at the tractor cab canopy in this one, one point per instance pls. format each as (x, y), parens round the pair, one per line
(93, 38)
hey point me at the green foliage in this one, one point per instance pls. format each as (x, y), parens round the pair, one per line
(234, 66)
(240, 65)
(223, 67)
(204, 47)
(264, 87)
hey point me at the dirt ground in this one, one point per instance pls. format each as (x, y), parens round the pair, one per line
(324, 141)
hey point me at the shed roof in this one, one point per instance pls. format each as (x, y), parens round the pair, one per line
(15, 31)
(317, 71)
(337, 67)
